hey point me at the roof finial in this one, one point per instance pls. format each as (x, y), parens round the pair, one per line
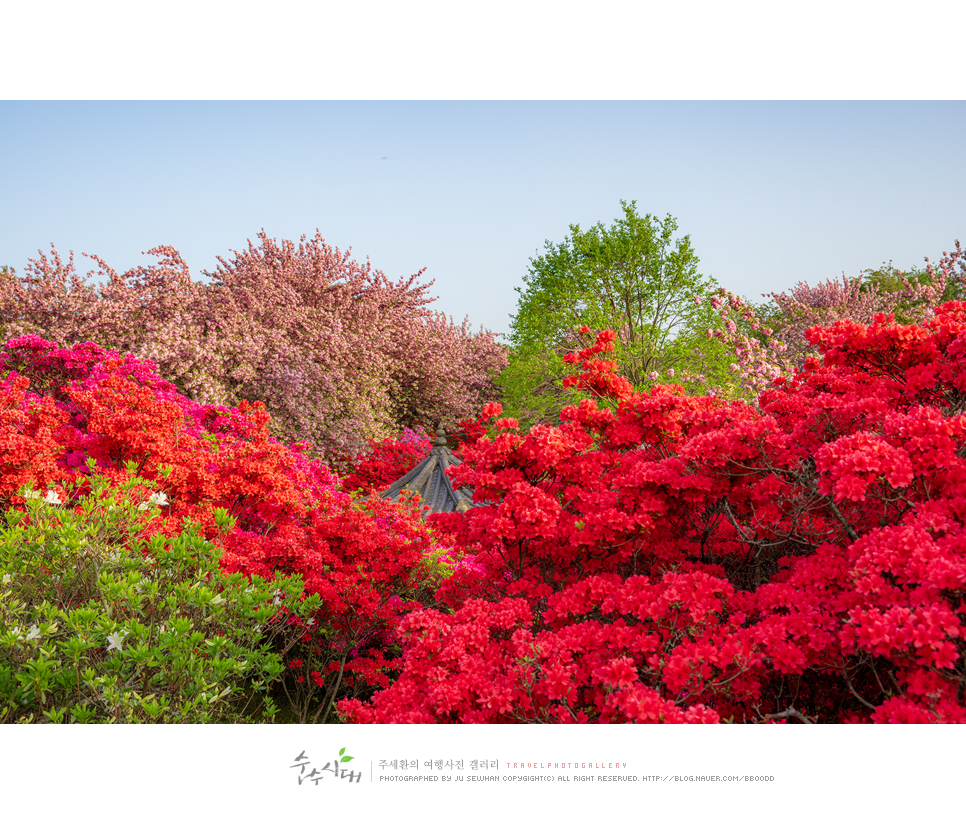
(440, 440)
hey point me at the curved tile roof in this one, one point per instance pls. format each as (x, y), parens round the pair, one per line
(428, 479)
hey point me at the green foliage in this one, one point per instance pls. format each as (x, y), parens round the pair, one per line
(633, 278)
(890, 279)
(531, 384)
(101, 622)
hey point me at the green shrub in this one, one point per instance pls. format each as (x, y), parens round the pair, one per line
(101, 622)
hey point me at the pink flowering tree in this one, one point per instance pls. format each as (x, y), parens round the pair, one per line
(338, 352)
(777, 345)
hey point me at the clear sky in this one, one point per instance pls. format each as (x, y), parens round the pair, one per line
(770, 192)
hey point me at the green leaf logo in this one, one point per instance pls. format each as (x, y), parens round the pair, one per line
(343, 757)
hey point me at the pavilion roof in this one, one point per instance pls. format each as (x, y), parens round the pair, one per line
(428, 479)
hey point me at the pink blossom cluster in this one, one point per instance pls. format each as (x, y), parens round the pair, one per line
(338, 352)
(782, 348)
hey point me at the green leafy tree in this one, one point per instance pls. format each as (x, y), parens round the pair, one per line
(634, 278)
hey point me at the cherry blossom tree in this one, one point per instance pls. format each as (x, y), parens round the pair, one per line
(339, 353)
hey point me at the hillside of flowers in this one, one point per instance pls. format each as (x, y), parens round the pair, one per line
(681, 559)
(654, 557)
(105, 470)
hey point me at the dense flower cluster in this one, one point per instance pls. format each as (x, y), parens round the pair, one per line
(68, 413)
(780, 347)
(655, 557)
(387, 461)
(678, 559)
(337, 351)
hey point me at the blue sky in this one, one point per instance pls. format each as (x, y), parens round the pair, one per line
(771, 192)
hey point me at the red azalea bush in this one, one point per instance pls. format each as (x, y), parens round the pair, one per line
(65, 413)
(676, 558)
(387, 461)
(665, 558)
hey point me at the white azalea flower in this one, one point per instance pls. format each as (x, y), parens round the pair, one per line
(52, 498)
(31, 494)
(7, 579)
(158, 498)
(33, 634)
(115, 641)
